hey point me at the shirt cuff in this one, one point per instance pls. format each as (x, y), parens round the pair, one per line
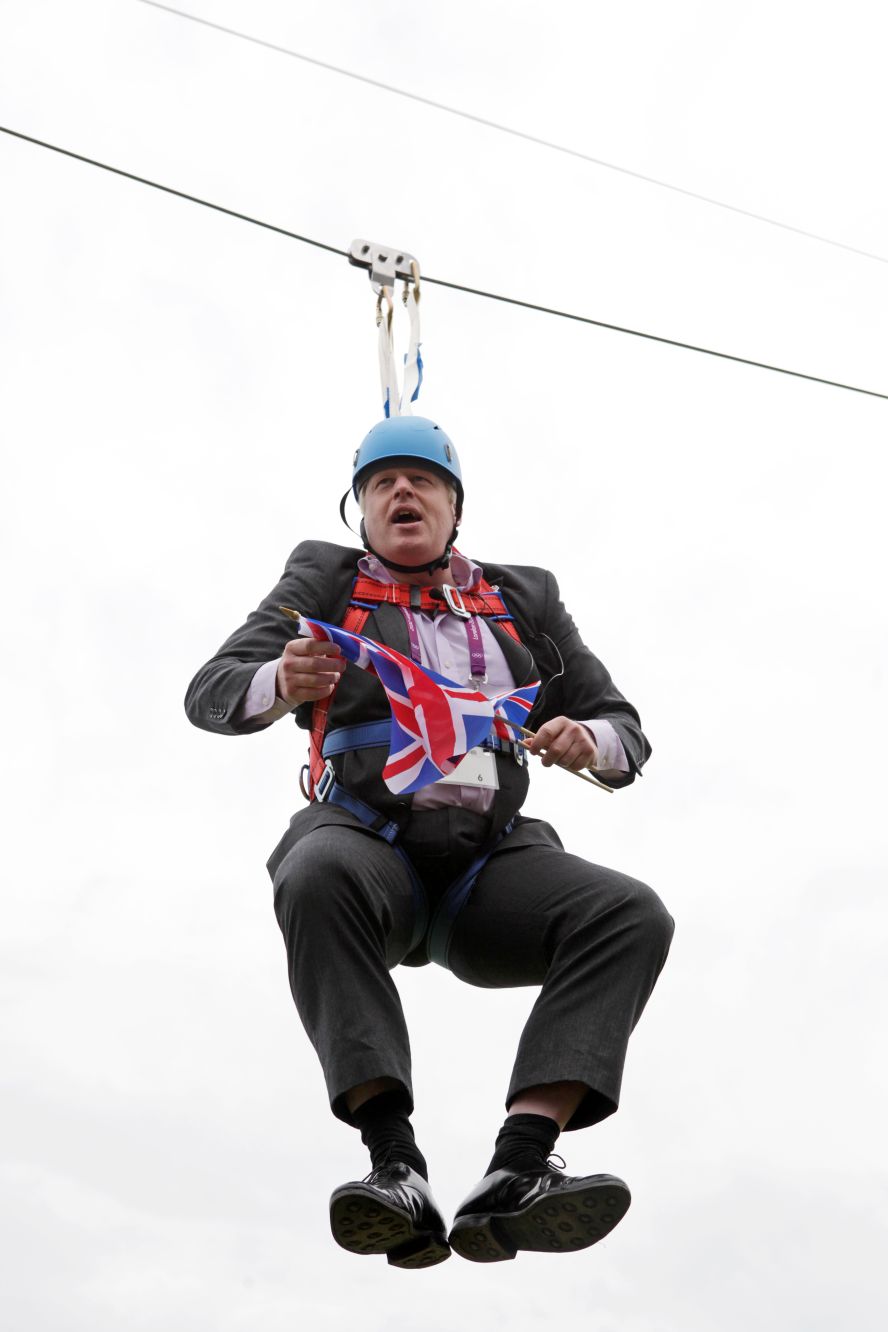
(611, 754)
(261, 703)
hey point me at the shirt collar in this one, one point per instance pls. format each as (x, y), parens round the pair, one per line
(466, 573)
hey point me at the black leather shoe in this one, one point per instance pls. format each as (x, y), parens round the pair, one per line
(541, 1210)
(393, 1212)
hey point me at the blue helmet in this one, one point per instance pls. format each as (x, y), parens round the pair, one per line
(408, 439)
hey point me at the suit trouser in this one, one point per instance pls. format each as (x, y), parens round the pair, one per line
(592, 938)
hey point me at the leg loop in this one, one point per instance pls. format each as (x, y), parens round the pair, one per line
(455, 898)
(437, 932)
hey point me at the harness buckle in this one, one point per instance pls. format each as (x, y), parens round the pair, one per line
(455, 603)
(325, 782)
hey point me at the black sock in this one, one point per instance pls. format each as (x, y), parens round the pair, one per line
(524, 1142)
(387, 1132)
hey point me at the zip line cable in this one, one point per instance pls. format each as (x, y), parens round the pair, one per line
(441, 282)
(168, 189)
(655, 337)
(516, 133)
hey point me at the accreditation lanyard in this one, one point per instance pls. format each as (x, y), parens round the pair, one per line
(477, 659)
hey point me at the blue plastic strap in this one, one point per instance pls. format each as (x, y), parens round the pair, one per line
(496, 743)
(440, 932)
(368, 734)
(420, 901)
(453, 901)
(338, 795)
(419, 373)
(412, 381)
(356, 737)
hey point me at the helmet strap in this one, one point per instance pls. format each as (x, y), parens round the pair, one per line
(342, 504)
(442, 562)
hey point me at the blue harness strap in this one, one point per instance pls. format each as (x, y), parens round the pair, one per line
(368, 734)
(328, 790)
(439, 932)
(356, 737)
(441, 929)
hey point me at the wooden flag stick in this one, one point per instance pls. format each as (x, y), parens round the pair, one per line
(584, 776)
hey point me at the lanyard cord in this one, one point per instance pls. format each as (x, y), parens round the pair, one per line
(474, 638)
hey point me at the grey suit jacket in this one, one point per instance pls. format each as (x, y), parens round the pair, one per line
(317, 581)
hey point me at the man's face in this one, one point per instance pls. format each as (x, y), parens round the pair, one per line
(409, 514)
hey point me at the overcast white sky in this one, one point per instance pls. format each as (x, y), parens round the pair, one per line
(182, 394)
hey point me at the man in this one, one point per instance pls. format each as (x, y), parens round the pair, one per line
(365, 880)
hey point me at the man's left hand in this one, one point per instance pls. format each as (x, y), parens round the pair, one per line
(568, 743)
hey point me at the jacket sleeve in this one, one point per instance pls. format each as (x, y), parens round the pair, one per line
(580, 686)
(215, 694)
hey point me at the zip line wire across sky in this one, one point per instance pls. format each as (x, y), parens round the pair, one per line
(516, 133)
(440, 282)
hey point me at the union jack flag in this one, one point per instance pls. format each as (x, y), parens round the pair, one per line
(435, 721)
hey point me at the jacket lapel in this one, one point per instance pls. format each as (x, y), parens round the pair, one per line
(518, 658)
(387, 625)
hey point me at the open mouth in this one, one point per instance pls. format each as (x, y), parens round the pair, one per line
(405, 517)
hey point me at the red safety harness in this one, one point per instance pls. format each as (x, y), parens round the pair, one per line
(366, 595)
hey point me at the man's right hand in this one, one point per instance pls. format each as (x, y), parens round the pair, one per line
(308, 670)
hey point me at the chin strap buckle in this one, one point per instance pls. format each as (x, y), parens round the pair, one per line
(455, 603)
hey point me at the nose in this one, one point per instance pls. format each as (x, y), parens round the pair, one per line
(402, 484)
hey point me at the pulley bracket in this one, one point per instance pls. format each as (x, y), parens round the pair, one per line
(384, 263)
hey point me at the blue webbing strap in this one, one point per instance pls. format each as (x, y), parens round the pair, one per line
(420, 901)
(336, 794)
(368, 734)
(441, 930)
(357, 737)
(455, 898)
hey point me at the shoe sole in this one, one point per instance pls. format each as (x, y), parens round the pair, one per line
(362, 1223)
(562, 1222)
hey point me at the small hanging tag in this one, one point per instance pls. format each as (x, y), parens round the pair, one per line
(478, 768)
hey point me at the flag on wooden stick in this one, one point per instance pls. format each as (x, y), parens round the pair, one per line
(435, 721)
